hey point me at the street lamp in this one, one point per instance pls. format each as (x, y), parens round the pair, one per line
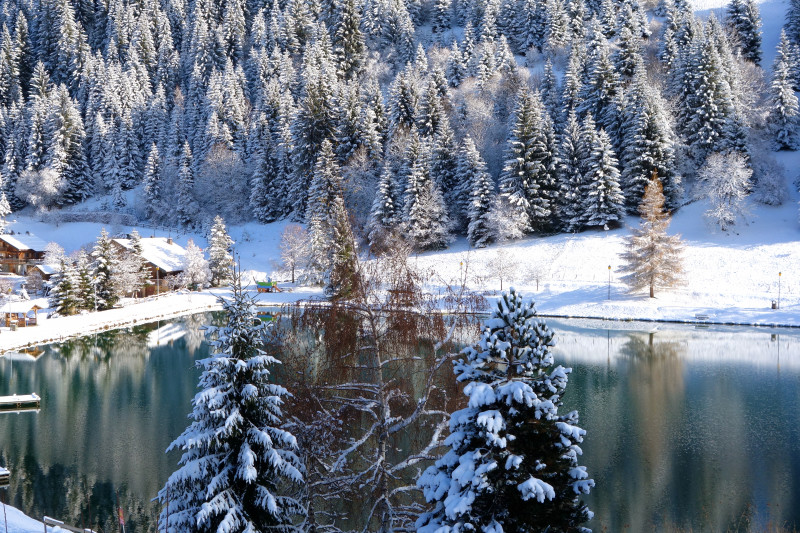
(609, 282)
(779, 290)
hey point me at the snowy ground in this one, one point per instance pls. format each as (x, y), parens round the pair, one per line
(730, 277)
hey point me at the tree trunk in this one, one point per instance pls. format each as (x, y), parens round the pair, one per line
(652, 291)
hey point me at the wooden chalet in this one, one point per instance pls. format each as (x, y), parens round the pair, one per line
(164, 257)
(20, 251)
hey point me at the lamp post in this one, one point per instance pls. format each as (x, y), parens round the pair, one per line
(609, 282)
(779, 290)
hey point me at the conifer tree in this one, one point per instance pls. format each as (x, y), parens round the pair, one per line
(649, 146)
(63, 298)
(604, 202)
(480, 195)
(187, 206)
(512, 460)
(220, 260)
(572, 160)
(314, 121)
(785, 113)
(236, 459)
(325, 189)
(342, 280)
(425, 220)
(136, 275)
(5, 210)
(653, 259)
(528, 178)
(385, 215)
(153, 182)
(348, 41)
(745, 21)
(85, 289)
(105, 260)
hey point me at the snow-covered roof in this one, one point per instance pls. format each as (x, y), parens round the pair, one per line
(48, 270)
(159, 251)
(26, 241)
(23, 306)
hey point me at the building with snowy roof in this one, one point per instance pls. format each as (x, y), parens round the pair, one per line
(20, 251)
(164, 257)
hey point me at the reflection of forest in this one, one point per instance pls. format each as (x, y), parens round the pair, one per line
(675, 441)
(110, 407)
(676, 444)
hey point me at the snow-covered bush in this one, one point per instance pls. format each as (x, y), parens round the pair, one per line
(513, 459)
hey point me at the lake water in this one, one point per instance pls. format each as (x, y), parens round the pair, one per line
(687, 428)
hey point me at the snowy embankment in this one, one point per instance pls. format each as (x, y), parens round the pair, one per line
(14, 521)
(730, 278)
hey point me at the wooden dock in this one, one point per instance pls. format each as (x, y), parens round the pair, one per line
(19, 402)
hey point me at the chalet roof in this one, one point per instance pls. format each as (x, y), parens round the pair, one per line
(160, 252)
(24, 241)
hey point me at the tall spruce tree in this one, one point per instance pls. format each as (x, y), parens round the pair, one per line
(785, 113)
(527, 180)
(236, 458)
(105, 260)
(480, 195)
(604, 202)
(512, 458)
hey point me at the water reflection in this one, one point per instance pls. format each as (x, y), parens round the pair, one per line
(110, 406)
(687, 429)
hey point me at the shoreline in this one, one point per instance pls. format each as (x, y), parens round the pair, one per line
(174, 305)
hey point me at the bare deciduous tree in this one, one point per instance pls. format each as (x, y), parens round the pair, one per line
(725, 181)
(294, 247)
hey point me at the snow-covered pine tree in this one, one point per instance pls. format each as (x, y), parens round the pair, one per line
(744, 19)
(604, 202)
(512, 459)
(5, 210)
(153, 177)
(325, 188)
(480, 194)
(425, 220)
(220, 260)
(314, 121)
(649, 145)
(141, 274)
(187, 208)
(785, 115)
(527, 180)
(342, 280)
(385, 215)
(236, 458)
(105, 259)
(85, 289)
(652, 258)
(572, 159)
(63, 298)
(348, 40)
